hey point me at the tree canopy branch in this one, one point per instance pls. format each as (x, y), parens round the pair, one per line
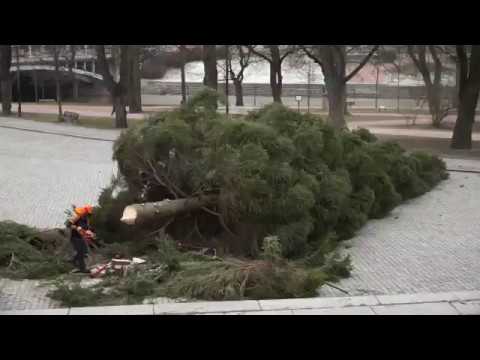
(104, 67)
(252, 49)
(362, 64)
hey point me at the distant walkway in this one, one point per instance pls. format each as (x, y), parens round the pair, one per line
(453, 303)
(87, 110)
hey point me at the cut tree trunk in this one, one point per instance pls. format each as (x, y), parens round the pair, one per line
(238, 92)
(462, 133)
(141, 213)
(6, 88)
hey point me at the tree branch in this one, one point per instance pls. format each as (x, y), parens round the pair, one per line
(438, 65)
(287, 52)
(312, 57)
(105, 68)
(362, 64)
(252, 49)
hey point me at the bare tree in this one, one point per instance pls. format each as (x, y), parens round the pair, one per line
(71, 65)
(59, 53)
(240, 58)
(433, 86)
(6, 78)
(183, 50)
(379, 60)
(393, 63)
(469, 88)
(117, 89)
(332, 59)
(56, 54)
(274, 55)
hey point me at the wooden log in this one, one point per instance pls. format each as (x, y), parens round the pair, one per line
(140, 213)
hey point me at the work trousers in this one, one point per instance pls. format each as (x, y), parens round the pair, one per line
(81, 250)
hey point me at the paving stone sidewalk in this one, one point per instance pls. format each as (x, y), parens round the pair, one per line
(427, 245)
(452, 303)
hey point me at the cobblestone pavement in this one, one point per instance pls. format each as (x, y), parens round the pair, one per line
(43, 174)
(25, 295)
(451, 303)
(429, 244)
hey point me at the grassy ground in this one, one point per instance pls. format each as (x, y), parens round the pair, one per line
(86, 121)
(436, 146)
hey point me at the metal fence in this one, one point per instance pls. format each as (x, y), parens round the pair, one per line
(313, 95)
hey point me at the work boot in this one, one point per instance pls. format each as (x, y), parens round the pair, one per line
(78, 271)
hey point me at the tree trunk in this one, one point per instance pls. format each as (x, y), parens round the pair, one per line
(134, 83)
(336, 92)
(141, 213)
(75, 93)
(6, 88)
(276, 81)
(118, 90)
(238, 92)
(462, 133)
(71, 66)
(183, 84)
(210, 66)
(19, 84)
(59, 99)
(57, 84)
(119, 107)
(6, 78)
(434, 104)
(457, 84)
(35, 85)
(398, 91)
(376, 89)
(183, 80)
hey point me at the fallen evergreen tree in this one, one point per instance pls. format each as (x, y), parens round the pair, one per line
(273, 192)
(30, 253)
(212, 181)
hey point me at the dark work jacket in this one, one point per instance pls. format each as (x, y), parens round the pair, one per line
(83, 223)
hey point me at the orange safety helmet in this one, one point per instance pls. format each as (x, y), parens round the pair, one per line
(85, 210)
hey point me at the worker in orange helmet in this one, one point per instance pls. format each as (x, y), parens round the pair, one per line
(80, 226)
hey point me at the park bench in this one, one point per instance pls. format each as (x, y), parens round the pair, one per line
(70, 117)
